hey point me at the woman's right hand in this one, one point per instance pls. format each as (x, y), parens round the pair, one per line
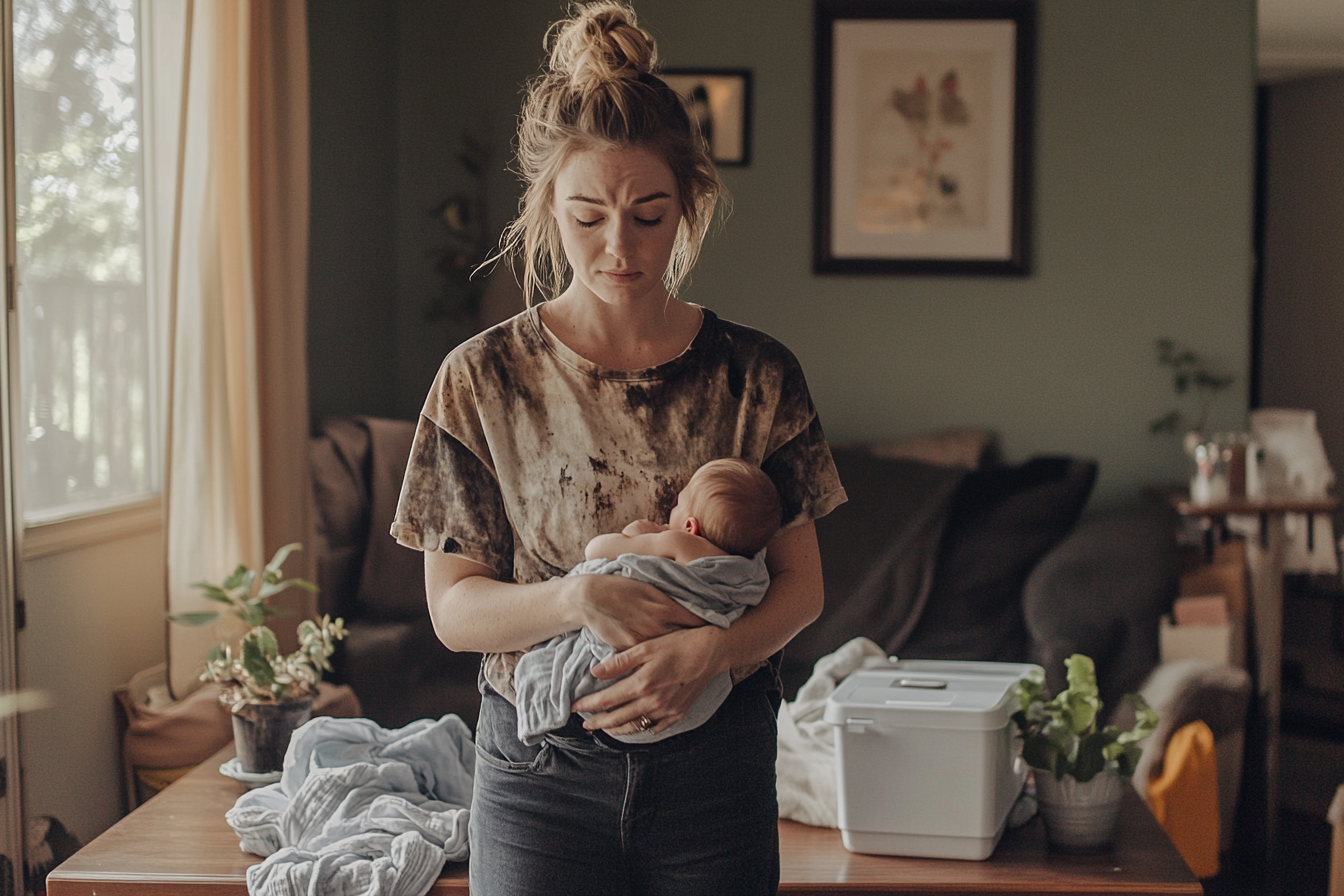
(624, 612)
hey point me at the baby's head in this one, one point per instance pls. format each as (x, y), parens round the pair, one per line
(735, 504)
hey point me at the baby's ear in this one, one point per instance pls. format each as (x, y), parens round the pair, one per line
(692, 525)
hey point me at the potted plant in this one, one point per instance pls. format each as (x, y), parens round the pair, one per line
(269, 693)
(1081, 766)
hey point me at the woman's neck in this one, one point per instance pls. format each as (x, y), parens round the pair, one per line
(622, 337)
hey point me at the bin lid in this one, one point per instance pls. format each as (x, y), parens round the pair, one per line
(928, 694)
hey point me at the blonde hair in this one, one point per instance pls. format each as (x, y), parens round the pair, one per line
(736, 503)
(599, 93)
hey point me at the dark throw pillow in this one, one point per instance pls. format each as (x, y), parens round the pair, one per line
(1003, 521)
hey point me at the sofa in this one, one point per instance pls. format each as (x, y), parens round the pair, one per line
(941, 552)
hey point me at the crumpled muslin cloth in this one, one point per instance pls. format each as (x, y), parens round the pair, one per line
(805, 764)
(361, 809)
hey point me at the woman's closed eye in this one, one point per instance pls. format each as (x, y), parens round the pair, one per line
(647, 222)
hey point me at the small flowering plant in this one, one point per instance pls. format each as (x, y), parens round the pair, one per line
(257, 672)
(1062, 734)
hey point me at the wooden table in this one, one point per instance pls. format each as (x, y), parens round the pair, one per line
(178, 843)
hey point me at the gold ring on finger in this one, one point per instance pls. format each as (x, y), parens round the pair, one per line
(644, 723)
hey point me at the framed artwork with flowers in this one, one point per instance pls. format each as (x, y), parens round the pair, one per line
(923, 136)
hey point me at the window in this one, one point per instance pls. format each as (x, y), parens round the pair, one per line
(87, 330)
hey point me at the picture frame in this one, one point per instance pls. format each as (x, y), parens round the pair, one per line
(923, 136)
(723, 95)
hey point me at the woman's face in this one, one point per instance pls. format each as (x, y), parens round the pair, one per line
(618, 212)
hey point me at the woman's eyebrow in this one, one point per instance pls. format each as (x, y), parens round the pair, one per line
(649, 198)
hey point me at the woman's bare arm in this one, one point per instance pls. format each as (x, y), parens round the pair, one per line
(669, 673)
(472, 610)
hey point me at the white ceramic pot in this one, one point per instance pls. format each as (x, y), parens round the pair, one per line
(1078, 817)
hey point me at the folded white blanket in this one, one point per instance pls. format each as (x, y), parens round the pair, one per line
(361, 809)
(805, 765)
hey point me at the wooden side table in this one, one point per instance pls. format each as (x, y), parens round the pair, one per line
(1264, 565)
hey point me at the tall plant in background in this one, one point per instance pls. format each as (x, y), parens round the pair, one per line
(465, 217)
(1191, 374)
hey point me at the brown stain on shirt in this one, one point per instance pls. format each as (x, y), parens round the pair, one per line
(525, 450)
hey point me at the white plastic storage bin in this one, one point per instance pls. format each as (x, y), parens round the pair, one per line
(928, 762)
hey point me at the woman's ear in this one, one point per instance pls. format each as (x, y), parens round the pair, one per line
(692, 525)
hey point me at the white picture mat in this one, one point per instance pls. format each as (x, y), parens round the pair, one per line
(874, 57)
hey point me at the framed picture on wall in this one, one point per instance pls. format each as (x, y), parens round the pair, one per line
(923, 117)
(720, 101)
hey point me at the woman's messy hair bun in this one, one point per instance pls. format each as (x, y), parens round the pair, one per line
(602, 41)
(598, 92)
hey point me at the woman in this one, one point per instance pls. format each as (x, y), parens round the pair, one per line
(576, 416)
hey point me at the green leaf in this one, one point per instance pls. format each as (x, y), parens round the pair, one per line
(195, 620)
(281, 555)
(1127, 759)
(1145, 719)
(236, 578)
(253, 613)
(270, 588)
(213, 592)
(264, 638)
(1082, 674)
(1029, 689)
(1039, 753)
(1091, 759)
(255, 663)
(1081, 697)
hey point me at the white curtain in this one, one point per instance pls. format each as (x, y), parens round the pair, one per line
(229, 188)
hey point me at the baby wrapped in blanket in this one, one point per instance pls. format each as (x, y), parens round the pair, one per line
(710, 558)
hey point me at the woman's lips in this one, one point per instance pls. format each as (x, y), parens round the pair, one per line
(622, 276)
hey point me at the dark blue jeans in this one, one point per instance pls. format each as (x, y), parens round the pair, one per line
(582, 813)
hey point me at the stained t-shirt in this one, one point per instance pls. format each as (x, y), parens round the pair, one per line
(525, 450)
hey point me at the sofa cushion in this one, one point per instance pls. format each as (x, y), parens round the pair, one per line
(1003, 521)
(338, 457)
(969, 448)
(392, 578)
(357, 466)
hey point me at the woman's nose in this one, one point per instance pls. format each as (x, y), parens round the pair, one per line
(619, 239)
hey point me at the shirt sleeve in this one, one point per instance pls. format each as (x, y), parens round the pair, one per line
(798, 460)
(451, 501)
(805, 476)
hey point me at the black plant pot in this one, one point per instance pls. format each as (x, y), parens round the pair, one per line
(261, 732)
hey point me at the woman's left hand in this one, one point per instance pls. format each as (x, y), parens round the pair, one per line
(665, 676)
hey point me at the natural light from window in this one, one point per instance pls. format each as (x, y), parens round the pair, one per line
(86, 331)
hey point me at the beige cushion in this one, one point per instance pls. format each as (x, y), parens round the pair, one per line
(947, 448)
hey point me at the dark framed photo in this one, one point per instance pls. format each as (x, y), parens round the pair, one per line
(720, 101)
(923, 136)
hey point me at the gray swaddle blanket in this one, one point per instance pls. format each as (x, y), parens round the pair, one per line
(551, 676)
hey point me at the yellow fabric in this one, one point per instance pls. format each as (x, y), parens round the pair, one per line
(1184, 798)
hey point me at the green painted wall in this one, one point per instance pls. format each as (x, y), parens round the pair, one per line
(1144, 121)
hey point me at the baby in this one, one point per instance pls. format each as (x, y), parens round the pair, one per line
(710, 558)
